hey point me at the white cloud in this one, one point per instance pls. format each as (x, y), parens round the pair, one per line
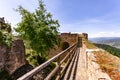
(105, 34)
(101, 26)
(7, 8)
(95, 27)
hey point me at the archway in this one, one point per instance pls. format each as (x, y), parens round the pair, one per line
(65, 45)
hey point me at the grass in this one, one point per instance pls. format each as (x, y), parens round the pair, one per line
(89, 44)
(109, 64)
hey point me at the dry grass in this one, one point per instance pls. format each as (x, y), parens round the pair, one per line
(109, 64)
(89, 45)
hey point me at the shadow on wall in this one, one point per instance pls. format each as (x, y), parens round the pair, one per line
(65, 45)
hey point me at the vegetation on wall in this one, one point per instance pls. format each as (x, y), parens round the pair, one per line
(89, 45)
(5, 40)
(5, 34)
(38, 30)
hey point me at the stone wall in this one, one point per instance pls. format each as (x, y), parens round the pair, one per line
(69, 38)
(14, 57)
(85, 36)
(65, 37)
(3, 53)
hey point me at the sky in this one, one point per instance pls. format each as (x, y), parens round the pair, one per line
(98, 18)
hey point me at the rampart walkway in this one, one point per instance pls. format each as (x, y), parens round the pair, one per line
(79, 66)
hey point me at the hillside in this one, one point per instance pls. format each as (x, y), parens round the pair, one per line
(108, 63)
(105, 58)
(113, 50)
(112, 41)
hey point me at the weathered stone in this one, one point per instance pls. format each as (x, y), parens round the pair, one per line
(3, 51)
(85, 36)
(67, 39)
(16, 56)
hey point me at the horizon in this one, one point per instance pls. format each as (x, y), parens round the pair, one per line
(97, 18)
(103, 37)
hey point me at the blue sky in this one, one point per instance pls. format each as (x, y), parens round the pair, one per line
(98, 18)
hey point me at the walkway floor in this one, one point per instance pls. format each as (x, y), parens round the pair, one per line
(82, 67)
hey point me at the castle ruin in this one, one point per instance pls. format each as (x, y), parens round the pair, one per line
(13, 57)
(67, 39)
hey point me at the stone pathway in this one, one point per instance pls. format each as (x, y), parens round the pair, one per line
(82, 67)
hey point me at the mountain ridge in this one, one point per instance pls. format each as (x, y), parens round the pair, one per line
(112, 41)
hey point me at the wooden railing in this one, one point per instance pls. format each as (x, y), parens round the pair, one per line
(68, 60)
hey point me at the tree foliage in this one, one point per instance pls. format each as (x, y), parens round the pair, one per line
(38, 29)
(5, 33)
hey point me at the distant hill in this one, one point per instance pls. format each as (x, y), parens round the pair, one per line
(108, 58)
(112, 41)
(110, 49)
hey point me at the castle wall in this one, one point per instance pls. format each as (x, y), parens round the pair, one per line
(65, 37)
(3, 51)
(85, 36)
(70, 39)
(12, 58)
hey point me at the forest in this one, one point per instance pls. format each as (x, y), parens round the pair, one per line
(113, 50)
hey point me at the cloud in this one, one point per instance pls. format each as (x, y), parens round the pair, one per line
(87, 25)
(106, 34)
(7, 8)
(106, 23)
(103, 25)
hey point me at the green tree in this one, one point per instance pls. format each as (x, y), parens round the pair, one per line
(38, 29)
(5, 33)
